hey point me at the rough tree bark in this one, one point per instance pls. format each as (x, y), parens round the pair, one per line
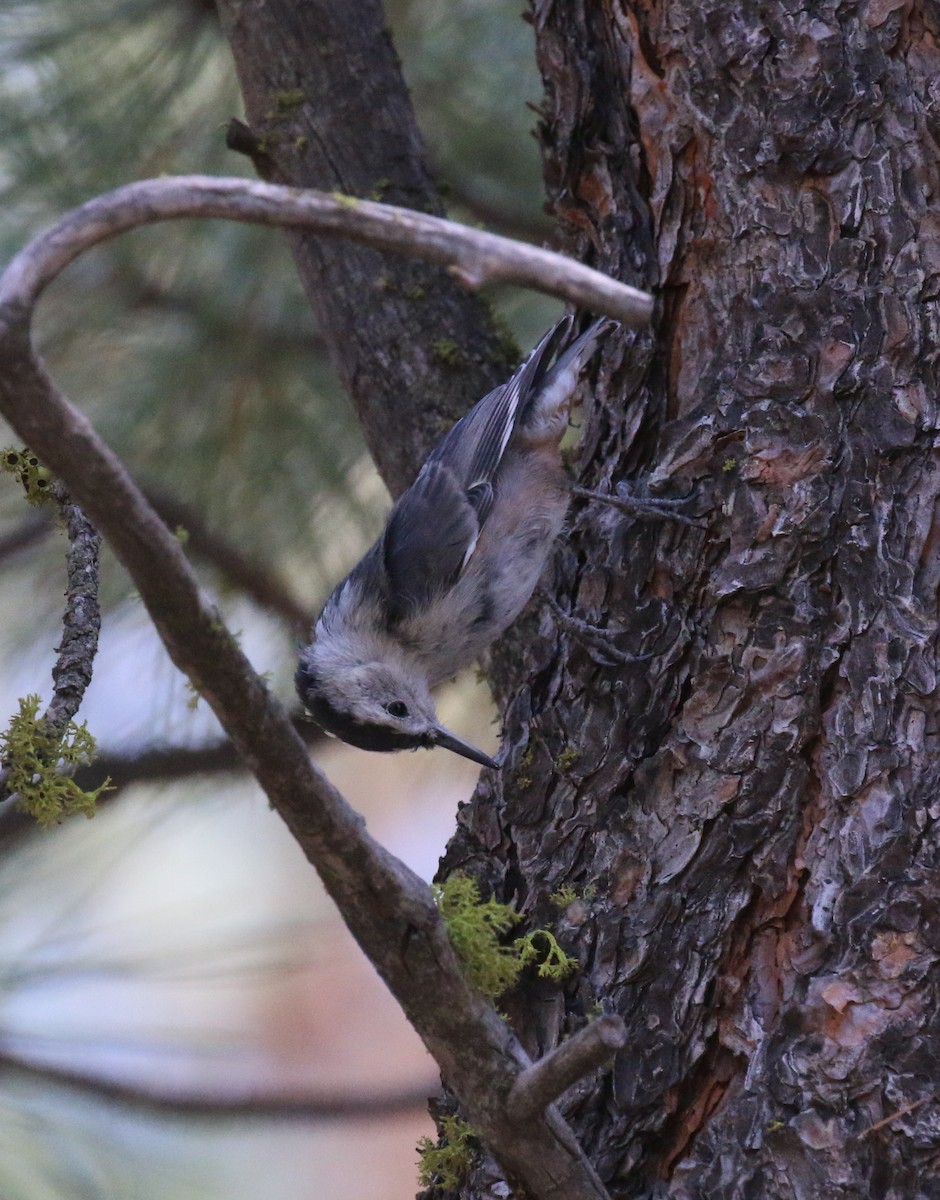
(746, 817)
(749, 817)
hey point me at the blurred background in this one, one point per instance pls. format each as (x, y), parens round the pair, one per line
(175, 958)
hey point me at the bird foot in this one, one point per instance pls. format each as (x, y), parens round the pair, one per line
(652, 507)
(593, 635)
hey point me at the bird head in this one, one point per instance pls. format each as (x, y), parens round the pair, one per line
(376, 706)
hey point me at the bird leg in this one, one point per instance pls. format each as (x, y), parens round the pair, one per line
(651, 507)
(592, 635)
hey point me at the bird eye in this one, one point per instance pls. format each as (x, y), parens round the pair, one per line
(395, 708)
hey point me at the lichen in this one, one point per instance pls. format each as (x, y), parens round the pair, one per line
(477, 928)
(563, 897)
(36, 479)
(567, 758)
(35, 757)
(447, 1166)
(553, 962)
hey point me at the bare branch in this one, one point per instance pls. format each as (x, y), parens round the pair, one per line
(389, 910)
(254, 1104)
(541, 1084)
(474, 256)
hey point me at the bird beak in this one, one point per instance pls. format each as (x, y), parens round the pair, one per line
(443, 737)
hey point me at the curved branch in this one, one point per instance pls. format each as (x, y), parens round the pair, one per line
(473, 256)
(388, 909)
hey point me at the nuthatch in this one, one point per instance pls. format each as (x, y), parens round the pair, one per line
(460, 555)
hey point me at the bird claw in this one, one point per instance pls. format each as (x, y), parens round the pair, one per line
(653, 507)
(586, 632)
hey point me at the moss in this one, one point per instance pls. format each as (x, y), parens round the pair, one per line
(729, 465)
(35, 757)
(447, 1166)
(36, 479)
(415, 293)
(448, 354)
(181, 533)
(343, 200)
(300, 143)
(477, 928)
(381, 187)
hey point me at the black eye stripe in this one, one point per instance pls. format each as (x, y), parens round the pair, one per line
(396, 708)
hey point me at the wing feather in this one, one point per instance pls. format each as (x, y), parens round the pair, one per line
(431, 532)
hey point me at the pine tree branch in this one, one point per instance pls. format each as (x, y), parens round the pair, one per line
(389, 910)
(471, 255)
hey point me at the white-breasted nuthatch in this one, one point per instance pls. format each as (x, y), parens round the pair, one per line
(461, 553)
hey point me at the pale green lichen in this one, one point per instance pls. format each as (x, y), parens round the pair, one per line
(553, 962)
(447, 1166)
(34, 477)
(477, 928)
(563, 897)
(37, 759)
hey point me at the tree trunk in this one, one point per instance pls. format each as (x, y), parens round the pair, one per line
(328, 107)
(747, 815)
(740, 826)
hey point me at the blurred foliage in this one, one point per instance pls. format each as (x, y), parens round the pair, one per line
(192, 348)
(191, 344)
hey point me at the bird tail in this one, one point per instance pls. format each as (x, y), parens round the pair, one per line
(546, 415)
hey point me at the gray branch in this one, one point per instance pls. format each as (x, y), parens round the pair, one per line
(388, 909)
(542, 1084)
(473, 256)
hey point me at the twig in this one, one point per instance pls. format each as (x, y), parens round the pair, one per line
(81, 623)
(388, 909)
(541, 1084)
(474, 255)
(901, 1112)
(254, 1104)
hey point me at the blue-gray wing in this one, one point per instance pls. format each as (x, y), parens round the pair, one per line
(474, 448)
(434, 527)
(429, 536)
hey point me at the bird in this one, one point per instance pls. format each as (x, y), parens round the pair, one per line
(459, 558)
